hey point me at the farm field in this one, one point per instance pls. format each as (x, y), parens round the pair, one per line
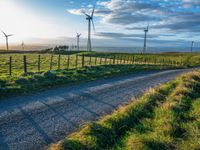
(180, 59)
(21, 75)
(166, 117)
(45, 62)
(16, 85)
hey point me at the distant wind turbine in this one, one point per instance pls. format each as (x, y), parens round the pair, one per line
(145, 39)
(192, 45)
(6, 36)
(90, 20)
(23, 45)
(78, 39)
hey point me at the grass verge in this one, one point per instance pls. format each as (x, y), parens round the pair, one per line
(164, 118)
(30, 82)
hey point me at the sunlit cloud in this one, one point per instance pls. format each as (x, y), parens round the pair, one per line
(23, 23)
(45, 21)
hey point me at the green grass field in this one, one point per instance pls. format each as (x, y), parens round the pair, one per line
(181, 59)
(68, 69)
(165, 118)
(173, 59)
(45, 62)
(30, 82)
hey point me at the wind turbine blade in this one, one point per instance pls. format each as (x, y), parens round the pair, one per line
(10, 35)
(3, 33)
(93, 25)
(86, 14)
(93, 12)
(148, 27)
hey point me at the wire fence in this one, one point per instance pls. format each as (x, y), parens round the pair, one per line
(18, 64)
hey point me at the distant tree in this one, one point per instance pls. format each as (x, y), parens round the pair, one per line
(56, 49)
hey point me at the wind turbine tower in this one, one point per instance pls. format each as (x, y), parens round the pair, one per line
(145, 39)
(7, 36)
(192, 45)
(78, 40)
(89, 18)
(23, 45)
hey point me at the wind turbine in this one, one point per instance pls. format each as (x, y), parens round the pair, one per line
(145, 39)
(23, 45)
(192, 45)
(6, 36)
(90, 20)
(78, 39)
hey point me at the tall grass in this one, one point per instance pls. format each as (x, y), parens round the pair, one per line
(166, 127)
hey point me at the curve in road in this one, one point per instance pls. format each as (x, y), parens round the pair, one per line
(35, 121)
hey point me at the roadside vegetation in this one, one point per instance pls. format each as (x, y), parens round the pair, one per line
(30, 82)
(167, 118)
(47, 70)
(67, 60)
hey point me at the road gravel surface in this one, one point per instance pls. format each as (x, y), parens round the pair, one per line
(34, 121)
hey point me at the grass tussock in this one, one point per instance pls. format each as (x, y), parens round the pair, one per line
(164, 118)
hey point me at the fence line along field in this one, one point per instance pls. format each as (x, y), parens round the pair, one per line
(27, 73)
(16, 64)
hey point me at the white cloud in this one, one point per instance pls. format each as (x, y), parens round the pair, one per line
(76, 11)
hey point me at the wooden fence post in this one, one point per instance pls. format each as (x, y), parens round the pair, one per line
(51, 62)
(59, 61)
(117, 58)
(124, 59)
(10, 66)
(155, 61)
(76, 61)
(95, 60)
(83, 60)
(145, 60)
(25, 65)
(128, 60)
(121, 59)
(68, 61)
(114, 60)
(90, 60)
(106, 60)
(38, 63)
(133, 61)
(100, 60)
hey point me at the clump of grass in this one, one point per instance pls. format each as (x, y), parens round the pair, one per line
(192, 128)
(164, 118)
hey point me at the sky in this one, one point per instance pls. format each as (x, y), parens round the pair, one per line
(118, 22)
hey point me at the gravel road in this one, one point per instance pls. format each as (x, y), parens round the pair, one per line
(34, 121)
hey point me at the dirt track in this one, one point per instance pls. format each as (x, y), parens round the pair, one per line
(35, 121)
